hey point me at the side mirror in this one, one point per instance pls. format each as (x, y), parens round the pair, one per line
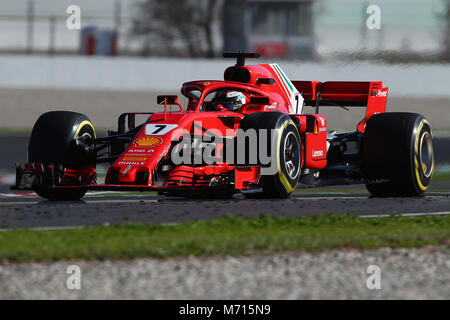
(259, 100)
(171, 99)
(255, 103)
(268, 81)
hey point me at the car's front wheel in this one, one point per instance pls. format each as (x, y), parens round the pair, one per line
(50, 143)
(280, 177)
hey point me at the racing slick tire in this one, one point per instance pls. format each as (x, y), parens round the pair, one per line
(288, 151)
(50, 142)
(398, 154)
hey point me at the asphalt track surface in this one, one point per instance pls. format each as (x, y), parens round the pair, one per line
(35, 212)
(41, 214)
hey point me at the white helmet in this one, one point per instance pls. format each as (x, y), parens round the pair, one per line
(231, 100)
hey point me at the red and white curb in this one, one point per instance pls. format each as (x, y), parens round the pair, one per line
(9, 179)
(89, 194)
(21, 194)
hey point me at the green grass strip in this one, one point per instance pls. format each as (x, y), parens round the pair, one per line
(225, 236)
(15, 131)
(441, 176)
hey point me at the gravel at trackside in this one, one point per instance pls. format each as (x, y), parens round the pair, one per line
(405, 274)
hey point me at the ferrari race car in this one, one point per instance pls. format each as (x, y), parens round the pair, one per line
(248, 134)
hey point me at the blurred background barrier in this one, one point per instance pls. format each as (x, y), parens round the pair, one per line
(125, 52)
(407, 30)
(131, 73)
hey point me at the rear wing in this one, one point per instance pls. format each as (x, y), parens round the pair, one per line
(369, 94)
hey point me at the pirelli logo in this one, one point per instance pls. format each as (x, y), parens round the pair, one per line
(134, 158)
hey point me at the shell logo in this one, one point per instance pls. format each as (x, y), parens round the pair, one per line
(148, 141)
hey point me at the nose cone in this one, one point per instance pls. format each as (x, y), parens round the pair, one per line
(125, 171)
(121, 175)
(127, 174)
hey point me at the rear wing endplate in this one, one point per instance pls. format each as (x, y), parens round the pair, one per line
(369, 94)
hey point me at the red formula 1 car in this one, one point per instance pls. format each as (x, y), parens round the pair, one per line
(245, 134)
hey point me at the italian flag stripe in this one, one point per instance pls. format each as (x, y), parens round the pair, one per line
(285, 78)
(282, 82)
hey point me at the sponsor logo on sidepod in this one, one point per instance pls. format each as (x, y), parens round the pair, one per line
(317, 153)
(382, 93)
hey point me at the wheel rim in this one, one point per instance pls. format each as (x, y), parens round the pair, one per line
(426, 154)
(291, 155)
(86, 134)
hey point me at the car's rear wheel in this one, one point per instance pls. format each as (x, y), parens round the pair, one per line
(398, 154)
(50, 143)
(281, 179)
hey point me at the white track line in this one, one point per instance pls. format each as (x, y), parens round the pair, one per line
(88, 194)
(414, 214)
(50, 228)
(77, 227)
(75, 202)
(87, 201)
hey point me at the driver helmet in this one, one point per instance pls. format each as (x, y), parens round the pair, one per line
(231, 100)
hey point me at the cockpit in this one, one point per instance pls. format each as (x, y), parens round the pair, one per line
(217, 98)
